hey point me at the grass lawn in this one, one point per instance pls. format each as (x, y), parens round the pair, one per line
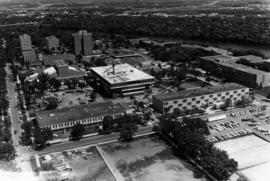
(148, 159)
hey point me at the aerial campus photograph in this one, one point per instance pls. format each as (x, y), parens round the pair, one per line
(134, 90)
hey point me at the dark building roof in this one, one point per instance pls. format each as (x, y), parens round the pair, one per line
(50, 59)
(69, 72)
(68, 114)
(199, 92)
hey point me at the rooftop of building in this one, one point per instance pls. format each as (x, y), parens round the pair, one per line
(59, 63)
(52, 37)
(50, 59)
(27, 53)
(67, 114)
(135, 60)
(123, 73)
(121, 53)
(244, 68)
(70, 72)
(24, 36)
(229, 61)
(199, 92)
(219, 57)
(252, 58)
(82, 32)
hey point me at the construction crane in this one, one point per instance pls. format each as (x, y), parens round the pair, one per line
(115, 61)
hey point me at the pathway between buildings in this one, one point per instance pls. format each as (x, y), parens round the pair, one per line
(118, 176)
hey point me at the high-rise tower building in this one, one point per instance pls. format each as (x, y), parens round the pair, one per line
(83, 43)
(25, 41)
(52, 42)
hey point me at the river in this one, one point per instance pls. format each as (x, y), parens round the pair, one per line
(264, 49)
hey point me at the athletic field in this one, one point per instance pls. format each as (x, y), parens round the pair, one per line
(252, 154)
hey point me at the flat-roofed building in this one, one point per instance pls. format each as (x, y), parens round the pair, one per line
(26, 42)
(122, 80)
(67, 117)
(240, 73)
(49, 60)
(65, 71)
(83, 43)
(29, 56)
(197, 98)
(52, 43)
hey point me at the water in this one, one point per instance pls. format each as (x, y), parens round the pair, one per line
(264, 49)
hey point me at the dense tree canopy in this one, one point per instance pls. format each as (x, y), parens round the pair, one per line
(189, 136)
(77, 131)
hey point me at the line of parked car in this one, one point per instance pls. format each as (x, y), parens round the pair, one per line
(241, 113)
(224, 126)
(230, 135)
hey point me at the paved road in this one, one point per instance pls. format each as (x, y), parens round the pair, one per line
(19, 24)
(12, 95)
(87, 141)
(23, 153)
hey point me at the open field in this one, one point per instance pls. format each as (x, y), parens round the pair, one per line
(86, 164)
(252, 155)
(148, 159)
(248, 151)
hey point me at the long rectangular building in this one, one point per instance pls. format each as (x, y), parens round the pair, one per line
(240, 73)
(67, 117)
(122, 80)
(197, 98)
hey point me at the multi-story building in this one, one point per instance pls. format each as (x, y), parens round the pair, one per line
(83, 43)
(122, 80)
(197, 98)
(29, 56)
(25, 41)
(52, 43)
(84, 114)
(240, 73)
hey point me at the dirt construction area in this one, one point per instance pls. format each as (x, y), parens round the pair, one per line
(148, 159)
(252, 155)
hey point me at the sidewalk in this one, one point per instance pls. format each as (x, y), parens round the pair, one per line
(67, 139)
(118, 176)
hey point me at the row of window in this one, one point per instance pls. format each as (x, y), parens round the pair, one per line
(196, 103)
(210, 96)
(69, 124)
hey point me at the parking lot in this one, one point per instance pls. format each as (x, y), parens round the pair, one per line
(240, 122)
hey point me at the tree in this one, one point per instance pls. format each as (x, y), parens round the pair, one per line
(79, 58)
(147, 116)
(27, 64)
(228, 102)
(128, 130)
(55, 83)
(26, 135)
(7, 151)
(93, 96)
(52, 102)
(43, 79)
(107, 123)
(81, 84)
(71, 83)
(41, 136)
(77, 131)
(181, 75)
